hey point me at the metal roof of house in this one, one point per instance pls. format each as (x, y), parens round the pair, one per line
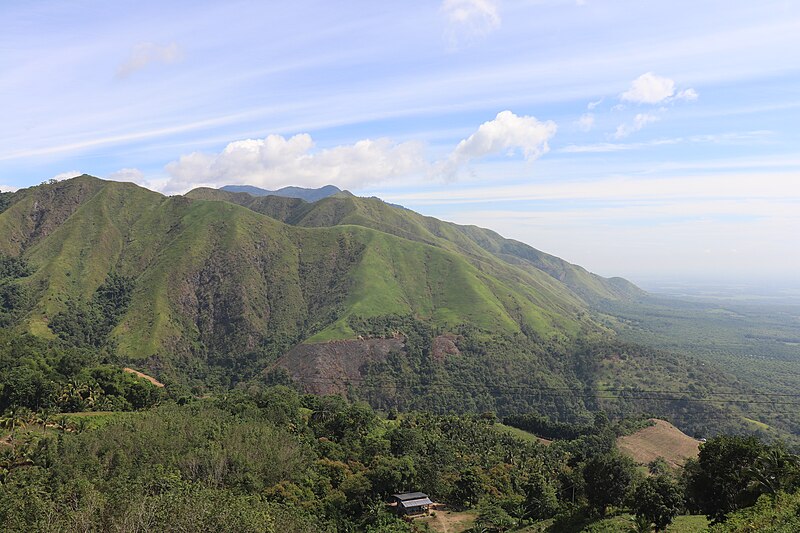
(409, 496)
(416, 503)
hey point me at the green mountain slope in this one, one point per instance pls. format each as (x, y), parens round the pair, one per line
(213, 276)
(485, 248)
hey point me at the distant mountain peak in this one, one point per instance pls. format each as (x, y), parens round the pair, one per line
(307, 194)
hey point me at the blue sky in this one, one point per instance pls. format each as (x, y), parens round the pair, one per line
(653, 140)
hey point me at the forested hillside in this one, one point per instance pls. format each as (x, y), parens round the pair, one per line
(274, 460)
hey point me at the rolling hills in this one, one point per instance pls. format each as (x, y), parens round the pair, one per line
(345, 294)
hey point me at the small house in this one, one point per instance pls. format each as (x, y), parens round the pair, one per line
(409, 503)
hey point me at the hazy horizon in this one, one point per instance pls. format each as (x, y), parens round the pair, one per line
(654, 141)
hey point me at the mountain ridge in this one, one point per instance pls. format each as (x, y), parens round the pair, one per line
(304, 193)
(473, 240)
(97, 227)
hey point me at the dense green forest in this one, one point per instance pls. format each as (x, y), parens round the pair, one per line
(271, 459)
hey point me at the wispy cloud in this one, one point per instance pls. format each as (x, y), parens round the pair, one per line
(469, 19)
(586, 122)
(145, 54)
(639, 122)
(716, 138)
(714, 186)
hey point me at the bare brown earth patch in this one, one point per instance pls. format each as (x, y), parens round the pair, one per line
(444, 345)
(661, 440)
(328, 367)
(142, 375)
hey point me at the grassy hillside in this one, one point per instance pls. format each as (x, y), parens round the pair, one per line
(485, 248)
(213, 277)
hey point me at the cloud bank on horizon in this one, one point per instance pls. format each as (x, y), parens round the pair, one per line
(541, 120)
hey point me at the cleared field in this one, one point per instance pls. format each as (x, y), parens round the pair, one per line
(444, 521)
(661, 440)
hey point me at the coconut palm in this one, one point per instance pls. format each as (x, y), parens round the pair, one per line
(11, 421)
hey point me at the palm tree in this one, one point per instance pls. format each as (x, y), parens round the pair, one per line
(62, 422)
(43, 417)
(775, 470)
(11, 421)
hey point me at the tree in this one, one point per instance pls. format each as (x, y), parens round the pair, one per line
(470, 486)
(541, 500)
(774, 470)
(391, 474)
(11, 421)
(719, 482)
(493, 518)
(607, 479)
(658, 499)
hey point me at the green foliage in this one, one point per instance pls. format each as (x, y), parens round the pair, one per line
(89, 324)
(718, 483)
(658, 499)
(779, 513)
(14, 297)
(14, 267)
(547, 428)
(329, 470)
(5, 200)
(273, 460)
(493, 518)
(37, 375)
(608, 478)
(541, 497)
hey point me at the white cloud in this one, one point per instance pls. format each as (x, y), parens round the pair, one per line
(649, 89)
(67, 175)
(144, 54)
(468, 19)
(690, 95)
(137, 176)
(639, 122)
(652, 89)
(127, 174)
(506, 133)
(277, 161)
(7, 188)
(586, 122)
(591, 105)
